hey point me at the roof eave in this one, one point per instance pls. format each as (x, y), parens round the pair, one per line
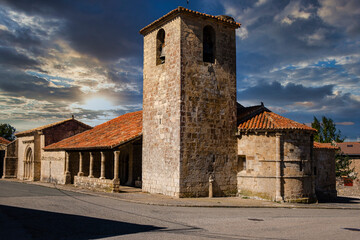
(94, 147)
(255, 130)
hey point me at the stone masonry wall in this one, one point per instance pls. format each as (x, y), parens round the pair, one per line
(24, 143)
(325, 181)
(259, 176)
(61, 131)
(11, 160)
(299, 181)
(161, 113)
(53, 167)
(208, 117)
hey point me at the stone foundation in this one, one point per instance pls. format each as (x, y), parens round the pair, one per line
(106, 185)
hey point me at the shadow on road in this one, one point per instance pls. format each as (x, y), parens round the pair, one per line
(339, 199)
(36, 224)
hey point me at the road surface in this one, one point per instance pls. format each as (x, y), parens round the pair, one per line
(34, 212)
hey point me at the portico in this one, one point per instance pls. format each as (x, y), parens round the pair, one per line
(105, 157)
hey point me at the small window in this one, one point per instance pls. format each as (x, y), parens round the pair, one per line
(160, 47)
(349, 145)
(241, 163)
(209, 44)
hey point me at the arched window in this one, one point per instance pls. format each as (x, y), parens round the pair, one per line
(160, 47)
(209, 44)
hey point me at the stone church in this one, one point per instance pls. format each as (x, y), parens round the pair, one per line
(192, 139)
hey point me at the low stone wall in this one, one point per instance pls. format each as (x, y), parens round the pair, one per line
(325, 181)
(10, 167)
(107, 185)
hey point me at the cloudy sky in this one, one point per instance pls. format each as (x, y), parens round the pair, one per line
(84, 57)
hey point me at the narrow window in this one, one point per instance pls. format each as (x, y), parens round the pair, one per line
(241, 163)
(209, 44)
(160, 47)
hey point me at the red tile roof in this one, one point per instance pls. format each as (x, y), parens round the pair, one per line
(104, 136)
(4, 141)
(349, 148)
(325, 146)
(179, 10)
(271, 121)
(28, 132)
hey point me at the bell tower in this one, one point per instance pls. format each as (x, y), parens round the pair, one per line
(189, 105)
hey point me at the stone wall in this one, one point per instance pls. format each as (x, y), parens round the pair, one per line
(355, 163)
(161, 113)
(259, 177)
(208, 110)
(189, 109)
(106, 185)
(64, 130)
(11, 160)
(24, 144)
(325, 180)
(53, 167)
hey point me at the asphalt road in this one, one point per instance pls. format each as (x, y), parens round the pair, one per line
(35, 212)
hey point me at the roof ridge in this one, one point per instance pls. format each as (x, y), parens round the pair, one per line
(49, 125)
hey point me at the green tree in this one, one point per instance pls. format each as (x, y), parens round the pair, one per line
(7, 131)
(342, 166)
(326, 131)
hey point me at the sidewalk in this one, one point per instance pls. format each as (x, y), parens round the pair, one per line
(135, 195)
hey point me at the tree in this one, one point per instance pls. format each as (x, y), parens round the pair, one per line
(342, 166)
(7, 131)
(326, 131)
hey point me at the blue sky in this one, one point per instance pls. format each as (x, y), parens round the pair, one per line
(58, 58)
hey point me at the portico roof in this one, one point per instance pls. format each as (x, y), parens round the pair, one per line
(108, 135)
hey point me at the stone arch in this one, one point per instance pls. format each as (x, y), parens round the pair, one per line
(209, 44)
(160, 47)
(28, 163)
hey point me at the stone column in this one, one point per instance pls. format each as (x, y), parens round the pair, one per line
(116, 180)
(4, 167)
(67, 172)
(102, 176)
(80, 173)
(91, 167)
(278, 196)
(116, 164)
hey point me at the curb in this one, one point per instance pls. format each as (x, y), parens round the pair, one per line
(104, 194)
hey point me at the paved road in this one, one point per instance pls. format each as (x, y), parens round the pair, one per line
(36, 212)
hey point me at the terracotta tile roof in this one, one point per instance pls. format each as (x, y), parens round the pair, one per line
(349, 148)
(325, 146)
(245, 113)
(4, 141)
(27, 132)
(104, 136)
(267, 120)
(179, 10)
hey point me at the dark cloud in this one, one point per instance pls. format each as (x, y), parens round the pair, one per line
(9, 56)
(106, 30)
(275, 93)
(24, 85)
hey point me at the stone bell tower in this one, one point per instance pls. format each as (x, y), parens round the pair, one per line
(189, 105)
